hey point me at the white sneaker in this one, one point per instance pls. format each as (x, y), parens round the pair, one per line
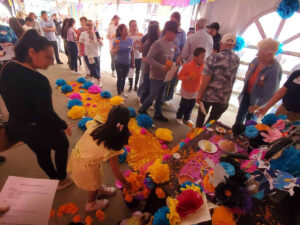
(124, 95)
(188, 122)
(98, 204)
(108, 191)
(179, 121)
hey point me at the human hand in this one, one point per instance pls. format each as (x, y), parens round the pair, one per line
(261, 111)
(166, 68)
(68, 131)
(252, 108)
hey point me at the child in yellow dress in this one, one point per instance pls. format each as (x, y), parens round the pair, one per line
(100, 143)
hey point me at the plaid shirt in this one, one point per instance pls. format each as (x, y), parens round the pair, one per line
(222, 68)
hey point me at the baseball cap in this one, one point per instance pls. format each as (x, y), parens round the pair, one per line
(229, 38)
(215, 26)
(116, 17)
(171, 26)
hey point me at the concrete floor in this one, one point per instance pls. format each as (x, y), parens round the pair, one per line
(22, 162)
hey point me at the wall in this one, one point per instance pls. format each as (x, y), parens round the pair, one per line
(234, 15)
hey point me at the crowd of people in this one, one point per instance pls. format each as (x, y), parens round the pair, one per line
(203, 60)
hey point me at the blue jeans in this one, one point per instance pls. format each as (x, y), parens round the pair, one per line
(145, 88)
(95, 67)
(243, 110)
(157, 90)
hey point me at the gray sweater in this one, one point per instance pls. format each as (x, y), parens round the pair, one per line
(159, 53)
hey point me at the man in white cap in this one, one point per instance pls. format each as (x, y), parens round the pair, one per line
(219, 74)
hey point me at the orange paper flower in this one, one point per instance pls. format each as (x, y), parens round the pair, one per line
(168, 63)
(128, 198)
(89, 220)
(160, 193)
(262, 127)
(117, 41)
(52, 214)
(76, 219)
(100, 215)
(206, 183)
(222, 216)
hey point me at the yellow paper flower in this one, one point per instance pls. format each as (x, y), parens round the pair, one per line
(222, 216)
(192, 187)
(77, 112)
(160, 193)
(173, 216)
(117, 100)
(159, 172)
(164, 134)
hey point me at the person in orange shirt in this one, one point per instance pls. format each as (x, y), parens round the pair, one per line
(190, 75)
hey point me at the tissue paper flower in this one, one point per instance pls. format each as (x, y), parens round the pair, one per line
(132, 112)
(189, 201)
(222, 216)
(269, 119)
(191, 186)
(228, 168)
(272, 135)
(251, 131)
(168, 63)
(81, 80)
(66, 88)
(280, 124)
(160, 217)
(159, 172)
(100, 215)
(89, 220)
(105, 94)
(82, 123)
(77, 112)
(262, 127)
(74, 102)
(86, 85)
(76, 219)
(60, 82)
(144, 121)
(164, 134)
(117, 100)
(206, 182)
(94, 89)
(160, 193)
(173, 216)
(75, 95)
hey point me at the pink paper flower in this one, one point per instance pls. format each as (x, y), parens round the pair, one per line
(88, 104)
(167, 156)
(74, 85)
(188, 202)
(75, 95)
(273, 134)
(161, 142)
(187, 140)
(94, 106)
(280, 125)
(127, 148)
(94, 89)
(143, 131)
(164, 146)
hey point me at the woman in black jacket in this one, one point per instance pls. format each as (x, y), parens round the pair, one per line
(27, 95)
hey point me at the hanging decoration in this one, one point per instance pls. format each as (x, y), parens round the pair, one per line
(287, 8)
(240, 44)
(180, 3)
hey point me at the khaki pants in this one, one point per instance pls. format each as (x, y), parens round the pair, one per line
(292, 116)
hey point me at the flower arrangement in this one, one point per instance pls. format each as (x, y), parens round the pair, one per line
(159, 172)
(74, 102)
(164, 134)
(77, 112)
(94, 89)
(117, 100)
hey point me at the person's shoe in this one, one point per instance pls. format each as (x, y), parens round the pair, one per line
(98, 204)
(179, 121)
(2, 160)
(59, 62)
(107, 191)
(100, 84)
(161, 118)
(64, 184)
(168, 103)
(189, 122)
(135, 89)
(113, 74)
(124, 95)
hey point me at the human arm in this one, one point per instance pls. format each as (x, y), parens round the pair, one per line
(154, 52)
(81, 44)
(114, 164)
(278, 95)
(185, 51)
(204, 83)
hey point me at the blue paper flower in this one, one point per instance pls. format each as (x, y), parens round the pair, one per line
(240, 44)
(132, 112)
(105, 94)
(66, 88)
(282, 117)
(74, 102)
(122, 157)
(181, 144)
(269, 119)
(149, 183)
(297, 122)
(229, 169)
(81, 80)
(287, 8)
(144, 121)
(82, 123)
(87, 85)
(60, 82)
(279, 49)
(160, 217)
(251, 131)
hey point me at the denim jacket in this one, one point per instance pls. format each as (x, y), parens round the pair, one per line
(266, 84)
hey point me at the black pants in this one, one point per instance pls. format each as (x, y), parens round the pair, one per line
(122, 71)
(138, 63)
(54, 44)
(185, 108)
(41, 139)
(94, 67)
(113, 62)
(243, 110)
(216, 112)
(145, 88)
(73, 52)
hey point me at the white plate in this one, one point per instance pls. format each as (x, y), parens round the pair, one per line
(213, 147)
(220, 145)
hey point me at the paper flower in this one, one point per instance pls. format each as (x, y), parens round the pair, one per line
(66, 88)
(94, 89)
(144, 121)
(269, 119)
(160, 193)
(282, 117)
(159, 172)
(250, 122)
(164, 146)
(273, 134)
(143, 131)
(81, 80)
(191, 186)
(173, 216)
(188, 202)
(82, 122)
(164, 134)
(117, 100)
(128, 198)
(187, 140)
(287, 8)
(60, 82)
(262, 127)
(117, 41)
(222, 216)
(89, 220)
(74, 102)
(240, 44)
(76, 219)
(77, 112)
(167, 156)
(122, 157)
(251, 131)
(100, 215)
(132, 112)
(160, 217)
(86, 85)
(149, 183)
(105, 94)
(228, 168)
(69, 208)
(75, 95)
(169, 63)
(207, 185)
(181, 144)
(280, 124)
(52, 214)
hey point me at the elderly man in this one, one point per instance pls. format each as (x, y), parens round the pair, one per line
(200, 39)
(219, 74)
(261, 82)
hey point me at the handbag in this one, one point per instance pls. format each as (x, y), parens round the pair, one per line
(5, 141)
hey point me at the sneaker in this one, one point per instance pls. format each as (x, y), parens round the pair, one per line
(98, 204)
(179, 121)
(113, 74)
(130, 89)
(124, 95)
(2, 160)
(161, 118)
(64, 184)
(188, 122)
(108, 191)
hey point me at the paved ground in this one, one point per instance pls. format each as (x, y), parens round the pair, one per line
(22, 162)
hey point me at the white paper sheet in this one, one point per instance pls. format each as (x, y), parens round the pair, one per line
(9, 53)
(30, 200)
(172, 72)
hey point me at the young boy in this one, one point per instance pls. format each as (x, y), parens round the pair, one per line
(191, 78)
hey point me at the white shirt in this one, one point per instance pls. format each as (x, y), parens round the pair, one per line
(200, 39)
(91, 47)
(136, 44)
(26, 28)
(111, 33)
